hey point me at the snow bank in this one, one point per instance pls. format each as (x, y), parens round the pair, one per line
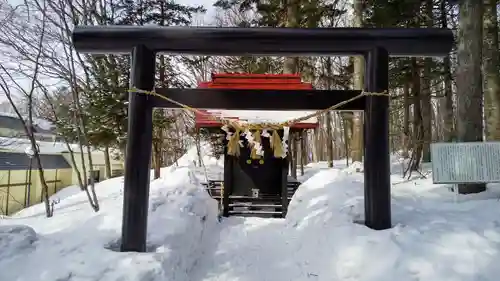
(211, 168)
(437, 235)
(66, 193)
(16, 240)
(260, 116)
(190, 158)
(76, 244)
(45, 147)
(41, 123)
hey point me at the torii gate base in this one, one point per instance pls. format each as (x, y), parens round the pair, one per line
(145, 42)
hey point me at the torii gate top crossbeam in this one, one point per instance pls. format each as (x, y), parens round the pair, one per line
(228, 41)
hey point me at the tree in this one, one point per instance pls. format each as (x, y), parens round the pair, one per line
(105, 93)
(358, 83)
(426, 90)
(469, 79)
(18, 25)
(448, 116)
(491, 69)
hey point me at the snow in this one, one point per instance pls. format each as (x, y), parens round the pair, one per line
(28, 150)
(21, 145)
(78, 244)
(258, 116)
(65, 193)
(41, 123)
(437, 234)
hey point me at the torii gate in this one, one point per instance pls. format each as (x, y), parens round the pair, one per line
(144, 42)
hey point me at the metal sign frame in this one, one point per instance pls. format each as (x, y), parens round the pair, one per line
(465, 162)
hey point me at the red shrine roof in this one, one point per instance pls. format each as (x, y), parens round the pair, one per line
(261, 82)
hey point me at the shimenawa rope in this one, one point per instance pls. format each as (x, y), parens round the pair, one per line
(275, 141)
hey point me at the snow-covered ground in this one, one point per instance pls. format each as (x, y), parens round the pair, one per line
(437, 235)
(262, 116)
(41, 123)
(21, 145)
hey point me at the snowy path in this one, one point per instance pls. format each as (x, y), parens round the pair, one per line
(436, 236)
(256, 253)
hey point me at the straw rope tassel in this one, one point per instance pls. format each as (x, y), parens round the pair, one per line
(256, 139)
(276, 144)
(233, 145)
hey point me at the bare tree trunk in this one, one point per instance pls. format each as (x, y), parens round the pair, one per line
(470, 79)
(303, 152)
(329, 141)
(156, 159)
(436, 124)
(291, 63)
(159, 130)
(406, 119)
(198, 147)
(346, 129)
(294, 154)
(81, 183)
(338, 134)
(425, 101)
(491, 70)
(179, 143)
(315, 144)
(440, 113)
(299, 149)
(291, 67)
(426, 111)
(417, 117)
(448, 124)
(107, 163)
(328, 74)
(358, 83)
(95, 202)
(357, 137)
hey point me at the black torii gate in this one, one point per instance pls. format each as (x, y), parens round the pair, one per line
(145, 42)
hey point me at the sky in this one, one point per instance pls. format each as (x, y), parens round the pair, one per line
(201, 20)
(208, 4)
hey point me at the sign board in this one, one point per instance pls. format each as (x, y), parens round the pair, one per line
(466, 162)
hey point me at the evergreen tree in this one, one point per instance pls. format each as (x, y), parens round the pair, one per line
(274, 13)
(106, 98)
